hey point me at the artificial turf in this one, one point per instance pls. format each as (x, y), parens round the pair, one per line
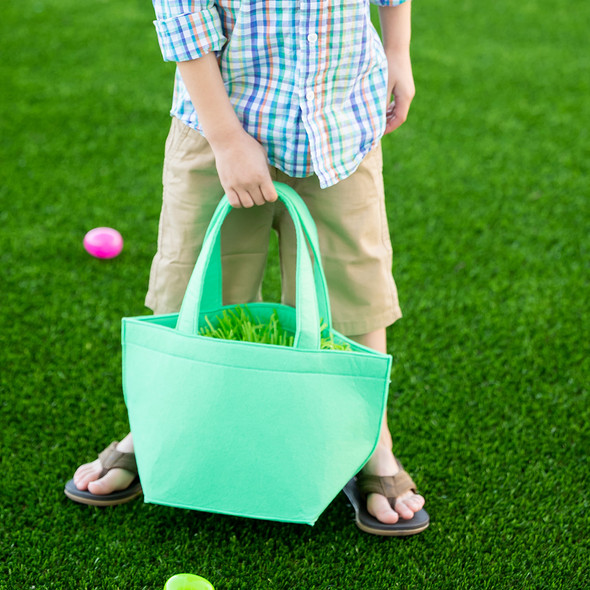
(487, 188)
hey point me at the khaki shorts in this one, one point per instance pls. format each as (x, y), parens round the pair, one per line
(350, 218)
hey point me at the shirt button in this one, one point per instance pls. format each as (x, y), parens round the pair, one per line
(309, 95)
(312, 37)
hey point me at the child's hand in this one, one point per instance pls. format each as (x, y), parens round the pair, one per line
(242, 166)
(401, 87)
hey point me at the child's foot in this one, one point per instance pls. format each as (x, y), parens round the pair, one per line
(383, 463)
(88, 476)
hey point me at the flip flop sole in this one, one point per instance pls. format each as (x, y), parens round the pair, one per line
(114, 499)
(369, 524)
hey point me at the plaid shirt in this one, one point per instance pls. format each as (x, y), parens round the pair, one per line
(307, 78)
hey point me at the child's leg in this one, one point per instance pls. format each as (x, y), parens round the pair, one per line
(87, 476)
(191, 191)
(357, 258)
(383, 461)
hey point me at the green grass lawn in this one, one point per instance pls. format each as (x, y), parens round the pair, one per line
(487, 188)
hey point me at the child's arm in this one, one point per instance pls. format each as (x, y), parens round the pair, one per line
(396, 32)
(240, 160)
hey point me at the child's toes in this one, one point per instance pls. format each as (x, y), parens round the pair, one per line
(416, 502)
(379, 507)
(114, 480)
(403, 510)
(87, 473)
(407, 505)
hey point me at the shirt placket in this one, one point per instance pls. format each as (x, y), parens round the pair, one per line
(307, 65)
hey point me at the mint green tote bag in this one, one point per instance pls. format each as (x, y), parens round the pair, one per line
(246, 429)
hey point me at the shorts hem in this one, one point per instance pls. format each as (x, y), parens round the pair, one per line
(360, 327)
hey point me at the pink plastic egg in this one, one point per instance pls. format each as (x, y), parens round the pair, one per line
(103, 242)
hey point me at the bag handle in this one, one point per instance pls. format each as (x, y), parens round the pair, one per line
(204, 291)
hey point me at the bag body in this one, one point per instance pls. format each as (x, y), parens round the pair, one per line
(250, 429)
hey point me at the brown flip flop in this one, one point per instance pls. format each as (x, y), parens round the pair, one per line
(357, 490)
(110, 458)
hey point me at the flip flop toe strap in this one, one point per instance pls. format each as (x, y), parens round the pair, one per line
(391, 486)
(111, 458)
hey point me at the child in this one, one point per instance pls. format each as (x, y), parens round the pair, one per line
(294, 91)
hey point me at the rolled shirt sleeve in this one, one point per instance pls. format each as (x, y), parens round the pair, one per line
(187, 29)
